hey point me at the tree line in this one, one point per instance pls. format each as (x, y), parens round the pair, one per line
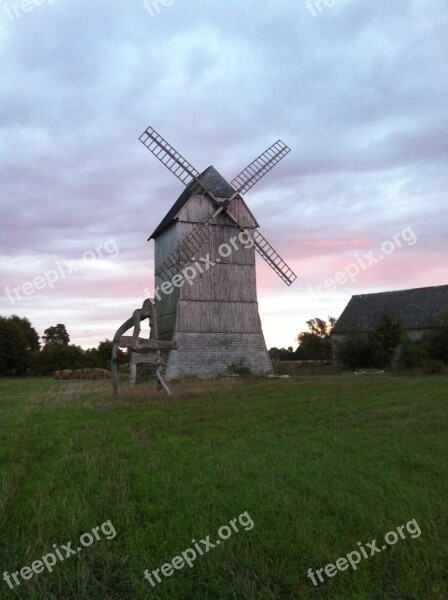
(385, 346)
(23, 352)
(388, 345)
(313, 344)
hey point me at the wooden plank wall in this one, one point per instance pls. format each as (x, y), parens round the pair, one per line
(222, 299)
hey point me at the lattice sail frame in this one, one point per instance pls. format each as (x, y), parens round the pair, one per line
(243, 182)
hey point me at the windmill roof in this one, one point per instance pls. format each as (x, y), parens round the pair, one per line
(416, 308)
(212, 180)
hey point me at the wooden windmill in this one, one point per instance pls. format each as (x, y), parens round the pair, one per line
(215, 320)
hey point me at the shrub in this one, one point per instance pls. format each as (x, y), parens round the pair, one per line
(385, 338)
(374, 350)
(357, 350)
(239, 368)
(433, 367)
(414, 353)
(56, 357)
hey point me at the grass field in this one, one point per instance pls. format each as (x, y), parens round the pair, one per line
(319, 463)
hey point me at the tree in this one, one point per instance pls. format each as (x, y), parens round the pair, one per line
(30, 334)
(19, 343)
(54, 357)
(319, 327)
(386, 337)
(315, 344)
(374, 350)
(357, 351)
(56, 336)
(104, 353)
(281, 353)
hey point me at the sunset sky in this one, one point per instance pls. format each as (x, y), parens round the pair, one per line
(358, 91)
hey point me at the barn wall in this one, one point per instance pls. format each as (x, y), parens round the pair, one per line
(417, 334)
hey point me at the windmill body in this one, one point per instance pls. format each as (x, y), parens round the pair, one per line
(213, 314)
(215, 320)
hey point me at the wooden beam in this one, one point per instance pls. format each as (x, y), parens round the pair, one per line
(143, 345)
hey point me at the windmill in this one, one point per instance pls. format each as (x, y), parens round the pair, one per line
(214, 319)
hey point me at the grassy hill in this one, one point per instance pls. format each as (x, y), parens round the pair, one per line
(319, 463)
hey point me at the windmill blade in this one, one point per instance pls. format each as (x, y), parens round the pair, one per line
(191, 243)
(186, 249)
(259, 167)
(173, 161)
(267, 252)
(190, 177)
(243, 182)
(274, 260)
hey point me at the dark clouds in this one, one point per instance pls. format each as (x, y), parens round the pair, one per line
(359, 92)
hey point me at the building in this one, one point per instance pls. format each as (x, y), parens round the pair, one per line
(418, 310)
(215, 320)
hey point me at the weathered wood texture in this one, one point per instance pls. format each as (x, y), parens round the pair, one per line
(240, 253)
(199, 208)
(146, 351)
(145, 359)
(218, 317)
(166, 306)
(214, 315)
(142, 345)
(215, 286)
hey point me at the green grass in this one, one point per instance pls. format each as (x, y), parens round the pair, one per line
(320, 463)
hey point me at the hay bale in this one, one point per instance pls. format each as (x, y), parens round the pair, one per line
(97, 374)
(107, 374)
(65, 374)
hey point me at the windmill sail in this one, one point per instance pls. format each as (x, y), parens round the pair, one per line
(274, 260)
(243, 182)
(186, 249)
(259, 167)
(173, 161)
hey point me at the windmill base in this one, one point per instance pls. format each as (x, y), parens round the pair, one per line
(207, 355)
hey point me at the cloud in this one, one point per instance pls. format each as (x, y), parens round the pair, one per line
(358, 92)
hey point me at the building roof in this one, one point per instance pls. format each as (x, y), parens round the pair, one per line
(417, 309)
(212, 181)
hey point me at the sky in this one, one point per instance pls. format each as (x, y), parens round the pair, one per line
(357, 89)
